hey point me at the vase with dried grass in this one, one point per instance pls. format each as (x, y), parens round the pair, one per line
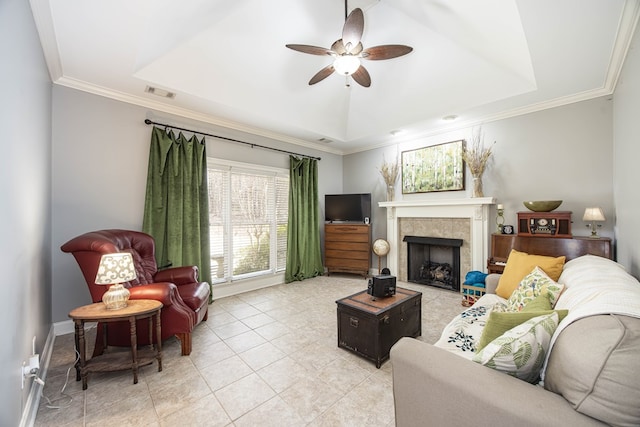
(476, 155)
(389, 172)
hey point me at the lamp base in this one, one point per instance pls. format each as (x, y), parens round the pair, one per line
(116, 297)
(594, 230)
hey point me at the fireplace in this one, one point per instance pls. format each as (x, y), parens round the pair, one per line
(465, 218)
(434, 261)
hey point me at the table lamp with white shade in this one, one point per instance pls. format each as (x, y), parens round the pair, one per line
(593, 215)
(115, 269)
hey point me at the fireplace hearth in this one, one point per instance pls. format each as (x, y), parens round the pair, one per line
(434, 261)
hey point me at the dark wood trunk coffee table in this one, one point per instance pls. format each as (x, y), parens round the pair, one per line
(370, 327)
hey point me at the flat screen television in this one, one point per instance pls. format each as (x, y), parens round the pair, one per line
(347, 207)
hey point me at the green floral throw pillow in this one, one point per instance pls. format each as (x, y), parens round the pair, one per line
(534, 284)
(521, 351)
(500, 322)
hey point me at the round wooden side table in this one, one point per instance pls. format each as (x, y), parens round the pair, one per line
(114, 361)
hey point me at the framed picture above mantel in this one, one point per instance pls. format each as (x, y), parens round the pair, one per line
(434, 168)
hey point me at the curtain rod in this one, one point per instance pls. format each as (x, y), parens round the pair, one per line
(149, 122)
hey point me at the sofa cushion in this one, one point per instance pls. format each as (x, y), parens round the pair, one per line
(532, 285)
(519, 264)
(500, 322)
(521, 351)
(462, 334)
(595, 366)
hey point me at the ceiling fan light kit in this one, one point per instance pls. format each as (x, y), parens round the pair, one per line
(346, 64)
(348, 51)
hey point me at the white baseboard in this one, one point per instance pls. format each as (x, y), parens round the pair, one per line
(222, 290)
(63, 328)
(35, 392)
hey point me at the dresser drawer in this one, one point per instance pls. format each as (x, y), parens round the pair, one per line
(345, 263)
(347, 246)
(336, 253)
(345, 228)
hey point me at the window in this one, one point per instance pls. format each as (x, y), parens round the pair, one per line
(248, 214)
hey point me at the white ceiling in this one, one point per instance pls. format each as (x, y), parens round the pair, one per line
(228, 65)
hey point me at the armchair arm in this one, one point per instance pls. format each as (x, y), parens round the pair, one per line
(178, 275)
(491, 283)
(164, 292)
(433, 387)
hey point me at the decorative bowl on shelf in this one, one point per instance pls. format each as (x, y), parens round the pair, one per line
(542, 205)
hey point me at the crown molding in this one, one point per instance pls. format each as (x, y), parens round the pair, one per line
(626, 29)
(487, 118)
(44, 25)
(187, 113)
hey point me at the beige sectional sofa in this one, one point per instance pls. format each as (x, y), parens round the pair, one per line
(591, 375)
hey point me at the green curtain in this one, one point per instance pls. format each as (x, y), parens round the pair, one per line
(176, 210)
(304, 259)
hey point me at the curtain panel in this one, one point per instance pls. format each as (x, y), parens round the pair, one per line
(176, 211)
(304, 258)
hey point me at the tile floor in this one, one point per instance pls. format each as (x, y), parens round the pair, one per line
(267, 357)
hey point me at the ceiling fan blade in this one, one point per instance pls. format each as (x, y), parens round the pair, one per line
(322, 74)
(362, 77)
(353, 29)
(386, 51)
(313, 50)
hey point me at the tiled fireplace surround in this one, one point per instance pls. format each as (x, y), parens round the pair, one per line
(466, 219)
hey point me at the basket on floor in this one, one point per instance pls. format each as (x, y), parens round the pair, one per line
(472, 293)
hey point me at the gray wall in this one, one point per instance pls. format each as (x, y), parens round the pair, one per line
(25, 217)
(626, 149)
(564, 153)
(100, 147)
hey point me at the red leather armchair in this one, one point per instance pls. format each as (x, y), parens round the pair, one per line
(184, 298)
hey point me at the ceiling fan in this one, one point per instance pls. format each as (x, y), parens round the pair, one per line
(348, 51)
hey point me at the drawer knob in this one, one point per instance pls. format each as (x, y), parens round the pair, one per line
(353, 322)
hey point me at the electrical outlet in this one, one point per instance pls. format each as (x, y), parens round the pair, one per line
(31, 369)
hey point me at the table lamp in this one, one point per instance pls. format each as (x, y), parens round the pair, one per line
(592, 215)
(115, 269)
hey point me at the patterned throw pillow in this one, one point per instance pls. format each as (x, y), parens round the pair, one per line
(535, 283)
(519, 264)
(499, 307)
(521, 351)
(499, 323)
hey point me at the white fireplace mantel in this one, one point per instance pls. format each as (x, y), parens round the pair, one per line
(475, 209)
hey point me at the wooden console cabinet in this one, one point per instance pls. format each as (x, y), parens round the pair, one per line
(571, 247)
(347, 248)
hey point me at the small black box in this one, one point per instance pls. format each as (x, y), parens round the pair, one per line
(382, 286)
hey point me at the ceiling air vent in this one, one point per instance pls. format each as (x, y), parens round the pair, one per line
(324, 140)
(160, 92)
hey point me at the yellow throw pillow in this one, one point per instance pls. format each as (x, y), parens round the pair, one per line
(519, 264)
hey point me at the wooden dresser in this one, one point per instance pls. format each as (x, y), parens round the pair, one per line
(347, 248)
(571, 247)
